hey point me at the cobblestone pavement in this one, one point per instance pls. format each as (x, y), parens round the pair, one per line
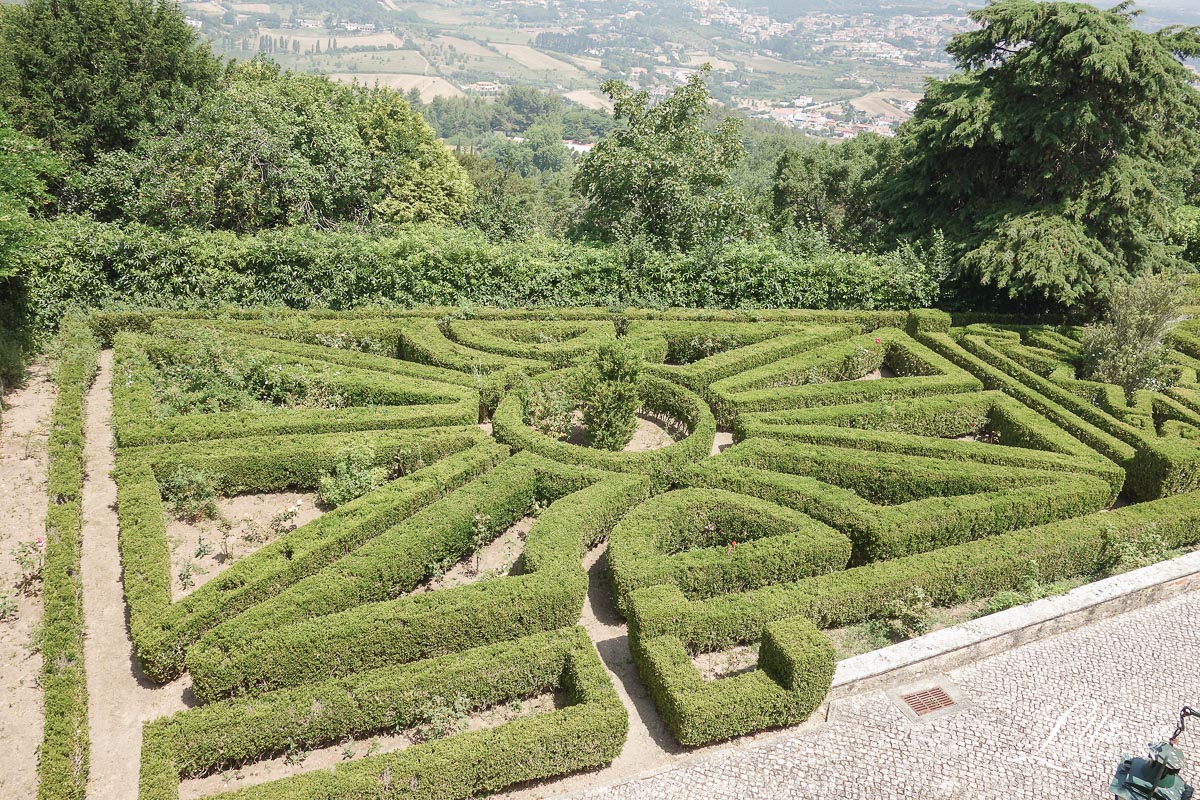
(1050, 719)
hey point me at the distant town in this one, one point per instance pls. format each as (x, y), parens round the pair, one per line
(832, 75)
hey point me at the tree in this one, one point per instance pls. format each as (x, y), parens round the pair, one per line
(831, 187)
(25, 163)
(545, 140)
(1128, 346)
(611, 395)
(665, 175)
(85, 75)
(1054, 157)
(522, 106)
(267, 148)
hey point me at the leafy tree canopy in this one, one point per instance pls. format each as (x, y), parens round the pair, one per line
(84, 75)
(665, 175)
(24, 164)
(1054, 158)
(831, 187)
(267, 148)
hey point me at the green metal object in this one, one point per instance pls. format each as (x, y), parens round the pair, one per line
(1156, 777)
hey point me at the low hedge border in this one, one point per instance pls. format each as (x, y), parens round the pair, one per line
(663, 465)
(928, 426)
(1061, 414)
(666, 628)
(865, 321)
(671, 348)
(423, 341)
(796, 666)
(714, 542)
(136, 422)
(63, 755)
(1156, 467)
(161, 630)
(253, 652)
(587, 733)
(827, 376)
(559, 343)
(950, 575)
(893, 505)
(336, 348)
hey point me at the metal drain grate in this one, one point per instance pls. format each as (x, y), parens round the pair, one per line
(927, 701)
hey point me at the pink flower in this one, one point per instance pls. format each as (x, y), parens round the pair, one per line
(39, 541)
(877, 340)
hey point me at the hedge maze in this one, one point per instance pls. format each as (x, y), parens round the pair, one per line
(873, 453)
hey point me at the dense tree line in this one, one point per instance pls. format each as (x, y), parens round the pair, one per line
(1059, 160)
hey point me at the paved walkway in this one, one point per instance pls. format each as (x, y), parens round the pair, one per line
(1046, 720)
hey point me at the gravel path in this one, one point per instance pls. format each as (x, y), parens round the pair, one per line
(1049, 719)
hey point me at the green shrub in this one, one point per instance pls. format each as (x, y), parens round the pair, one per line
(1128, 347)
(664, 465)
(1123, 553)
(587, 733)
(908, 616)
(356, 473)
(190, 494)
(610, 396)
(85, 264)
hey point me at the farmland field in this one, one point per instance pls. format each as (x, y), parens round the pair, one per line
(371, 554)
(428, 85)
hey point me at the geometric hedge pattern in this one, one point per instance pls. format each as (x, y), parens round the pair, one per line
(974, 453)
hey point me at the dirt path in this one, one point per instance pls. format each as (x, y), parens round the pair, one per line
(120, 697)
(23, 433)
(649, 744)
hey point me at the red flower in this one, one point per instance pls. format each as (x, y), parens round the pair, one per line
(877, 340)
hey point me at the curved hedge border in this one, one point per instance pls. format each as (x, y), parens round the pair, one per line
(711, 541)
(64, 752)
(663, 465)
(560, 343)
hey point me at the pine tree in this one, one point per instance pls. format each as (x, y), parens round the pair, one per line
(1054, 158)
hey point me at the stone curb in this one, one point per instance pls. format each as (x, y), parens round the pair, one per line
(956, 646)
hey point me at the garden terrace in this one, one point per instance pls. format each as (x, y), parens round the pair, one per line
(874, 455)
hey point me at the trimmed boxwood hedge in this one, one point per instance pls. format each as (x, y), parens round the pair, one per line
(827, 376)
(1155, 467)
(711, 541)
(560, 343)
(64, 751)
(929, 426)
(955, 574)
(842, 496)
(161, 630)
(796, 665)
(279, 649)
(662, 465)
(588, 732)
(391, 401)
(893, 505)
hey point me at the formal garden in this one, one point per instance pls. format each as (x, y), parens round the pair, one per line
(359, 539)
